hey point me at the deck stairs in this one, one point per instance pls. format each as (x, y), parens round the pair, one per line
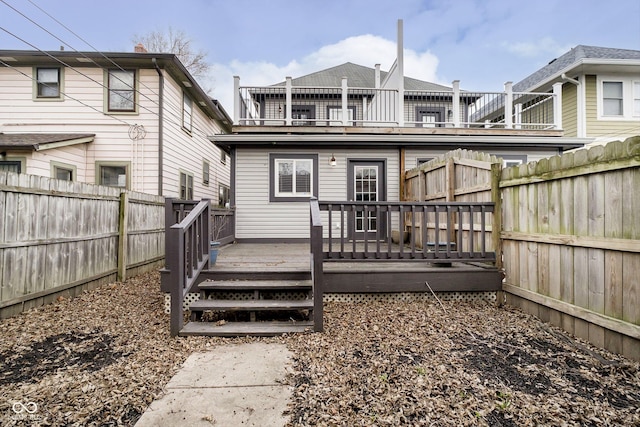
(236, 303)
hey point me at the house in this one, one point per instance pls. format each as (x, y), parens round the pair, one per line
(350, 132)
(600, 91)
(134, 120)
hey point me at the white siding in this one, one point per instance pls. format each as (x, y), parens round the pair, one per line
(185, 151)
(258, 218)
(81, 111)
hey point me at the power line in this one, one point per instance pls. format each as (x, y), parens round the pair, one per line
(63, 93)
(175, 111)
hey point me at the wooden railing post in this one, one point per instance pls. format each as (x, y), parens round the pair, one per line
(496, 224)
(456, 104)
(316, 265)
(288, 121)
(175, 262)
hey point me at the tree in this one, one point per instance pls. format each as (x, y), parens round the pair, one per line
(176, 42)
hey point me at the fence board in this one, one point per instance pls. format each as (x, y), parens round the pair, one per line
(57, 235)
(577, 218)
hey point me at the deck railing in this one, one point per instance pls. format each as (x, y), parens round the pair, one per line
(405, 231)
(343, 105)
(187, 254)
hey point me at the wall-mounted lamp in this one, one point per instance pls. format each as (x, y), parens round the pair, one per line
(279, 108)
(332, 161)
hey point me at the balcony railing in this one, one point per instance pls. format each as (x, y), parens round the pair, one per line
(346, 106)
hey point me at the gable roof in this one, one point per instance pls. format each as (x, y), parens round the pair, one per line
(357, 76)
(575, 56)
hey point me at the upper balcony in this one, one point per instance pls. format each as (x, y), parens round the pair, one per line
(286, 108)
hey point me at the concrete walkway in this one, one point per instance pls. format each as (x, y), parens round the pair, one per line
(232, 385)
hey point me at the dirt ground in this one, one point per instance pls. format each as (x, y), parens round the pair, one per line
(102, 358)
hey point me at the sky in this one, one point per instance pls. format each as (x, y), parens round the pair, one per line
(482, 43)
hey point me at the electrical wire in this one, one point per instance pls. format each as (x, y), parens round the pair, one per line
(176, 113)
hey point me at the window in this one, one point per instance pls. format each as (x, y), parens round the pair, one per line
(113, 174)
(205, 172)
(186, 186)
(187, 112)
(48, 83)
(223, 198)
(429, 117)
(335, 116)
(223, 157)
(293, 177)
(14, 166)
(301, 115)
(612, 99)
(509, 160)
(122, 90)
(423, 160)
(636, 98)
(63, 171)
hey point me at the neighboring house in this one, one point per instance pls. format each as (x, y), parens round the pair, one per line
(350, 132)
(600, 91)
(134, 120)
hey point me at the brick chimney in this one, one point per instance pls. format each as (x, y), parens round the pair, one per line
(139, 48)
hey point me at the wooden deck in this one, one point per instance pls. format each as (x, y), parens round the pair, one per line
(264, 260)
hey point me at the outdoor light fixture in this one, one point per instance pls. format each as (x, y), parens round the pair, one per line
(332, 161)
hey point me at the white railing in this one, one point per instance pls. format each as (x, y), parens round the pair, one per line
(346, 106)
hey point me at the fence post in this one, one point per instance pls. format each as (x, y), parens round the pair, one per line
(496, 225)
(122, 236)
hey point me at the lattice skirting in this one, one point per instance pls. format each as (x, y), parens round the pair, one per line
(489, 297)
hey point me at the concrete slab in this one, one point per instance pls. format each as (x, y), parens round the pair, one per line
(232, 385)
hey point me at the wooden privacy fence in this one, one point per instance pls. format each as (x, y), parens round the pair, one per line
(459, 176)
(60, 238)
(571, 243)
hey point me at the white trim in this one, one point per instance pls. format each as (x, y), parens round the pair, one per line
(627, 97)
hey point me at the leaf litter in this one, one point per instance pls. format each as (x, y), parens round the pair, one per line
(100, 360)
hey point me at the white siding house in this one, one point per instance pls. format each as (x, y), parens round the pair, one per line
(349, 133)
(137, 120)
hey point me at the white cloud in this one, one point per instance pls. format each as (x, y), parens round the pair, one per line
(366, 50)
(546, 46)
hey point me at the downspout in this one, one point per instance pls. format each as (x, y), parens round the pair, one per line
(580, 131)
(160, 123)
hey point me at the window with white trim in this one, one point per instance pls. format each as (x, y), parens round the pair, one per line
(636, 98)
(612, 99)
(205, 172)
(618, 98)
(294, 177)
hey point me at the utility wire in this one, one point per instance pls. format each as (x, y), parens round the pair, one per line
(176, 112)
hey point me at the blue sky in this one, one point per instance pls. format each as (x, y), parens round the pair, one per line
(482, 43)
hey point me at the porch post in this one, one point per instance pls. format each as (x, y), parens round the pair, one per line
(287, 106)
(345, 99)
(237, 100)
(508, 105)
(456, 104)
(557, 105)
(518, 115)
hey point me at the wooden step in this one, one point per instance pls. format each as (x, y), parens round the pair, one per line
(237, 329)
(250, 305)
(234, 273)
(254, 285)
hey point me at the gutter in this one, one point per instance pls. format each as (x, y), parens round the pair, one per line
(160, 123)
